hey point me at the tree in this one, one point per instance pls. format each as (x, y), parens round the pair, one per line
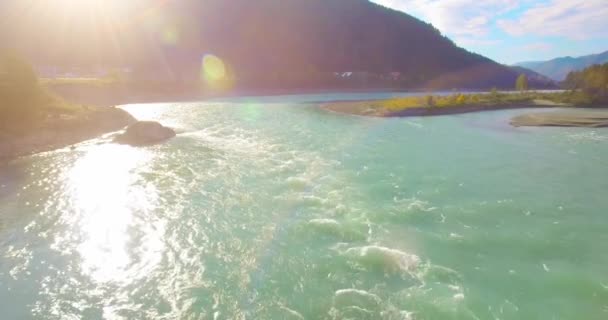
(522, 83)
(592, 82)
(494, 95)
(429, 101)
(20, 93)
(15, 70)
(461, 99)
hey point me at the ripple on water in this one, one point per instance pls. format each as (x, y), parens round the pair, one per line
(412, 205)
(201, 227)
(588, 136)
(298, 183)
(361, 304)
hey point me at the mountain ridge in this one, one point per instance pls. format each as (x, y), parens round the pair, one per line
(267, 44)
(558, 68)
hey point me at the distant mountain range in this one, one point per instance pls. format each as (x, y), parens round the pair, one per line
(557, 69)
(537, 78)
(264, 43)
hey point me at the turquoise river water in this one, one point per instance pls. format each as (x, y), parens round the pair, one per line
(271, 208)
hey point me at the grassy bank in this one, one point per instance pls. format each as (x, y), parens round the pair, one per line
(459, 103)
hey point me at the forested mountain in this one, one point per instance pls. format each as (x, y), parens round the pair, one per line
(558, 68)
(264, 43)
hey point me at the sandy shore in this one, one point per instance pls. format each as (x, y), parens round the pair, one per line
(593, 118)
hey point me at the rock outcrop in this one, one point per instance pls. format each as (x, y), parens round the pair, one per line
(145, 133)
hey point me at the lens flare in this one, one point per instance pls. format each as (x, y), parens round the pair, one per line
(170, 35)
(213, 68)
(214, 73)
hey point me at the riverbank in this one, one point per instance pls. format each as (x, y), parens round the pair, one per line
(128, 93)
(457, 104)
(409, 107)
(59, 130)
(570, 118)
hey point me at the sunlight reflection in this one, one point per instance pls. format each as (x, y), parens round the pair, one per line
(251, 112)
(107, 196)
(147, 111)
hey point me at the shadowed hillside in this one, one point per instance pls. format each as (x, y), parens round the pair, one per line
(263, 44)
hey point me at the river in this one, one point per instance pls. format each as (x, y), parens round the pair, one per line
(272, 208)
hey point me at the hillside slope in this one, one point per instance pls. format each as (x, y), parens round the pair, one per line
(534, 76)
(264, 43)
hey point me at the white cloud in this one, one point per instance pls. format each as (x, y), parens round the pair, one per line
(476, 42)
(573, 19)
(458, 18)
(538, 46)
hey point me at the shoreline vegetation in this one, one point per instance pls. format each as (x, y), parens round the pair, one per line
(432, 105)
(578, 102)
(33, 119)
(587, 88)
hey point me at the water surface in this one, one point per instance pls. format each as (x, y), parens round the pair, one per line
(270, 208)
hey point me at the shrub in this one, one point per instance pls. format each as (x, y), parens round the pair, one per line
(461, 99)
(429, 101)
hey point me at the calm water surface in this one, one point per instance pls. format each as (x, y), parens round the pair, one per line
(270, 208)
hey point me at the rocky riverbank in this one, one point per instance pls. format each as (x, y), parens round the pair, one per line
(62, 130)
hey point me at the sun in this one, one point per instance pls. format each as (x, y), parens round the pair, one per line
(78, 4)
(89, 7)
(81, 3)
(101, 16)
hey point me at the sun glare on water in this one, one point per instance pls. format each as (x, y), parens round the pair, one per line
(106, 202)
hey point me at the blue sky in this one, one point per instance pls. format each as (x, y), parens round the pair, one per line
(510, 31)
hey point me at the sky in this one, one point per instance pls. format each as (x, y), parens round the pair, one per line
(511, 31)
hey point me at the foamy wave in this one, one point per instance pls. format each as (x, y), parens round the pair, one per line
(413, 204)
(330, 224)
(355, 304)
(360, 304)
(588, 136)
(337, 229)
(290, 313)
(389, 259)
(298, 183)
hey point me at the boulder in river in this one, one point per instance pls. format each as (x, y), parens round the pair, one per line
(145, 133)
